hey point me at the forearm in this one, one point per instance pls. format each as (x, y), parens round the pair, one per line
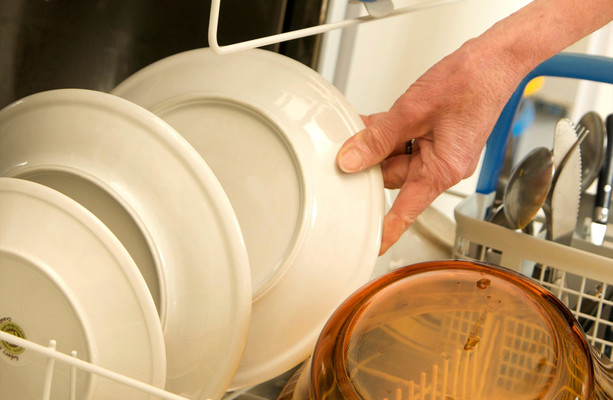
(451, 109)
(538, 31)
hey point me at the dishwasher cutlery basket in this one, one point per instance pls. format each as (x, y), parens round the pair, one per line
(580, 275)
(584, 280)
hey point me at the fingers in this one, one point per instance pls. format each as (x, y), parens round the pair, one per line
(412, 200)
(363, 150)
(395, 170)
(385, 134)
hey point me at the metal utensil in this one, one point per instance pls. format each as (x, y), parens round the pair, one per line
(562, 205)
(523, 196)
(592, 149)
(378, 8)
(603, 191)
(528, 186)
(495, 213)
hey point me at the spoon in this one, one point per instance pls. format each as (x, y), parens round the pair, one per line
(528, 186)
(523, 196)
(592, 149)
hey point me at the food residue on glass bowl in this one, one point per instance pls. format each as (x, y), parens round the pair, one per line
(483, 283)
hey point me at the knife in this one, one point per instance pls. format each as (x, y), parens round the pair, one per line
(563, 205)
(603, 190)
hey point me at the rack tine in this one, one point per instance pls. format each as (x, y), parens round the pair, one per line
(49, 372)
(73, 378)
(85, 366)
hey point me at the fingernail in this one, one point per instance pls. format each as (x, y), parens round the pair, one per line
(351, 161)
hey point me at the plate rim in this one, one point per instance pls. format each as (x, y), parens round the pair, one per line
(304, 184)
(207, 188)
(345, 112)
(69, 209)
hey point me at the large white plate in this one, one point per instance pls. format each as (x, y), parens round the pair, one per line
(150, 187)
(66, 277)
(269, 128)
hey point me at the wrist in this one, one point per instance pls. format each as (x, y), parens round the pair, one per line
(537, 32)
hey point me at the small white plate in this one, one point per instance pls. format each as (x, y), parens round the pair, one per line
(157, 195)
(66, 277)
(270, 128)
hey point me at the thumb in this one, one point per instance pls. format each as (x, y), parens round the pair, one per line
(366, 148)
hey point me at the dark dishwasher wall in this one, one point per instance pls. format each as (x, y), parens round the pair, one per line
(95, 44)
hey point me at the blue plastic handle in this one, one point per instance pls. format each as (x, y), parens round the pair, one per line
(565, 65)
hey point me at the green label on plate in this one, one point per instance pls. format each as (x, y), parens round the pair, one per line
(8, 349)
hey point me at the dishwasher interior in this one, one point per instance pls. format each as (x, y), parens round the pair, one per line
(111, 40)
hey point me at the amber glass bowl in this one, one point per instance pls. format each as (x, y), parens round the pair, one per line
(451, 330)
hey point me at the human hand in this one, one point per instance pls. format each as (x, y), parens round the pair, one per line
(450, 111)
(452, 108)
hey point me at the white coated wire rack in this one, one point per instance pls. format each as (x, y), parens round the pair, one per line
(49, 352)
(583, 271)
(300, 33)
(75, 364)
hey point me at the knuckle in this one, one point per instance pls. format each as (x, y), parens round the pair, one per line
(450, 165)
(442, 173)
(379, 140)
(452, 171)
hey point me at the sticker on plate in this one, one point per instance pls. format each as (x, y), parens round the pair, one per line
(10, 350)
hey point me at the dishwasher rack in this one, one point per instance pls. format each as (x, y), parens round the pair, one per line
(580, 275)
(300, 33)
(75, 363)
(584, 280)
(52, 355)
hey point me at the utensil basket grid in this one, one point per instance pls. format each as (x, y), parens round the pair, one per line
(583, 271)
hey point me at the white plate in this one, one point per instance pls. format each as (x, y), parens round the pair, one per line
(270, 128)
(66, 277)
(150, 187)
